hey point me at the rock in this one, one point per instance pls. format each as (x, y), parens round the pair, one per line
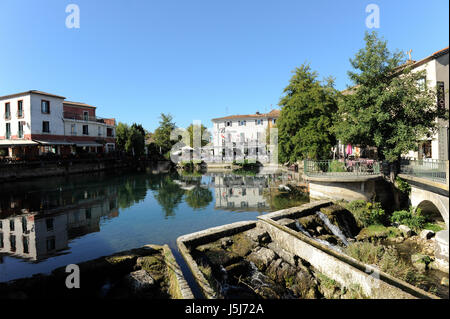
(426, 234)
(310, 224)
(262, 257)
(225, 242)
(220, 257)
(343, 219)
(258, 235)
(329, 238)
(320, 230)
(238, 269)
(242, 245)
(285, 255)
(406, 231)
(139, 281)
(444, 281)
(421, 261)
(287, 222)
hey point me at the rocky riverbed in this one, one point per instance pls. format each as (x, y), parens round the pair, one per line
(250, 265)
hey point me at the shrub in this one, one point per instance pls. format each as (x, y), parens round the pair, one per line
(412, 218)
(336, 166)
(367, 213)
(402, 185)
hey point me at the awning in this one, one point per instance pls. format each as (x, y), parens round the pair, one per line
(17, 143)
(60, 142)
(88, 144)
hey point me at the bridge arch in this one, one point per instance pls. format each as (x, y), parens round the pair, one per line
(430, 202)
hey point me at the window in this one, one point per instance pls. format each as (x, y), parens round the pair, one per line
(11, 225)
(99, 131)
(24, 225)
(51, 243)
(1, 240)
(20, 131)
(46, 126)
(20, 108)
(422, 83)
(86, 115)
(274, 121)
(109, 132)
(228, 123)
(25, 245)
(88, 213)
(49, 224)
(45, 107)
(258, 122)
(73, 129)
(12, 242)
(86, 129)
(7, 111)
(426, 149)
(242, 123)
(8, 131)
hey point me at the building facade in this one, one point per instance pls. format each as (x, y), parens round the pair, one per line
(239, 137)
(35, 123)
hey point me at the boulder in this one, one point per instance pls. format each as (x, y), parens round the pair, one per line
(139, 281)
(406, 231)
(421, 261)
(225, 242)
(444, 281)
(262, 257)
(426, 234)
(258, 235)
(242, 245)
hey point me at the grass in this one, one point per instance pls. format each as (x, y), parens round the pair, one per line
(386, 258)
(433, 227)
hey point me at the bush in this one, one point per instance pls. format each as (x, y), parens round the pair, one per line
(412, 218)
(336, 166)
(367, 213)
(402, 185)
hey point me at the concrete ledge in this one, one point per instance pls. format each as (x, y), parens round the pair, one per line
(341, 178)
(424, 181)
(185, 243)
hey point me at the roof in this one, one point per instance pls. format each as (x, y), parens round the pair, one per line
(78, 104)
(31, 92)
(271, 114)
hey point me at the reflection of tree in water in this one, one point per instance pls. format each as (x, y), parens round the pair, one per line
(169, 195)
(132, 189)
(198, 197)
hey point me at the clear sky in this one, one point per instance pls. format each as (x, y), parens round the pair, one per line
(196, 59)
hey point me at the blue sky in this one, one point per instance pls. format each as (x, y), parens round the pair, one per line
(196, 59)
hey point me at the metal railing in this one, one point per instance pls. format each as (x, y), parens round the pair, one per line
(361, 167)
(435, 170)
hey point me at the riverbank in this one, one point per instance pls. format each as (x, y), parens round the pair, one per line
(27, 170)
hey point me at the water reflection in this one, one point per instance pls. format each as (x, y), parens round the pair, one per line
(40, 218)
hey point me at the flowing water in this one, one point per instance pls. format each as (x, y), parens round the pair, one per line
(47, 223)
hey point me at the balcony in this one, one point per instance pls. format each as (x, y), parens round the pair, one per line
(87, 118)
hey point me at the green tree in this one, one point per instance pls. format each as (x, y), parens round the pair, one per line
(386, 107)
(121, 136)
(135, 143)
(204, 137)
(306, 117)
(161, 135)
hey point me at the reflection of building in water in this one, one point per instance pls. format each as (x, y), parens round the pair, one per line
(240, 192)
(37, 236)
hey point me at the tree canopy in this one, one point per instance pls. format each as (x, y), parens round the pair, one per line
(306, 117)
(161, 135)
(386, 107)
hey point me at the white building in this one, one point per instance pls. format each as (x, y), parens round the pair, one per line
(237, 137)
(36, 122)
(437, 76)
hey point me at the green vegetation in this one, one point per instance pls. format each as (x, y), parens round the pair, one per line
(378, 231)
(367, 214)
(130, 139)
(306, 117)
(433, 227)
(386, 258)
(161, 136)
(386, 108)
(198, 198)
(202, 131)
(336, 166)
(412, 218)
(403, 185)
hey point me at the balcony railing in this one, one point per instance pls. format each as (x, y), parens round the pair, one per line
(87, 118)
(435, 170)
(361, 167)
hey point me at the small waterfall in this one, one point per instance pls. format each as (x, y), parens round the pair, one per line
(301, 229)
(334, 229)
